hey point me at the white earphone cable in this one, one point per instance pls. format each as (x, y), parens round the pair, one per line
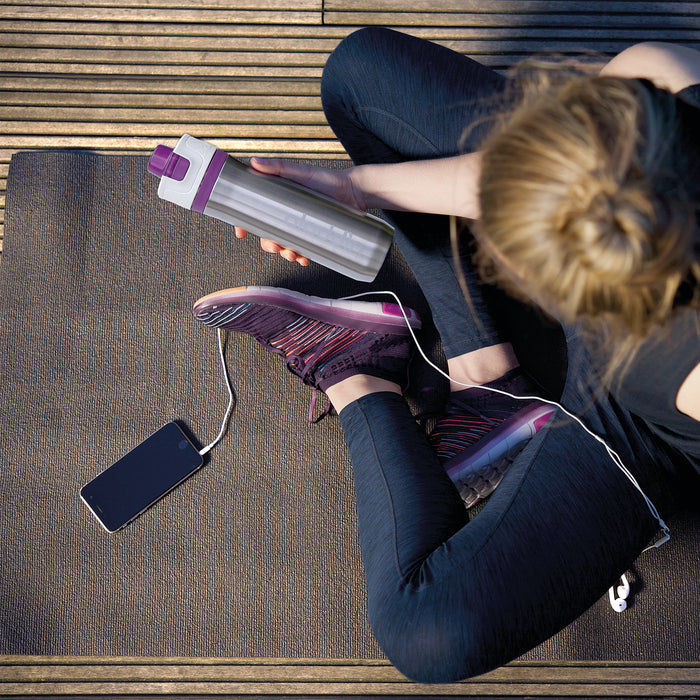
(224, 423)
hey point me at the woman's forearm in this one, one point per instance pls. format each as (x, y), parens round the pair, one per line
(441, 186)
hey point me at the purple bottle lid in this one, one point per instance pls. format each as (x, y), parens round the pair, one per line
(164, 162)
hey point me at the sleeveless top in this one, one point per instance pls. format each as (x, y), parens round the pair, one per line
(650, 385)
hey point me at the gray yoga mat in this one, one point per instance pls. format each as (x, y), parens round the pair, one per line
(257, 554)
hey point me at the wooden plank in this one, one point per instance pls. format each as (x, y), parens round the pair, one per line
(215, 36)
(147, 144)
(289, 153)
(315, 5)
(272, 51)
(505, 30)
(460, 19)
(194, 18)
(88, 57)
(167, 28)
(317, 671)
(7, 153)
(434, 6)
(164, 103)
(14, 119)
(284, 690)
(159, 42)
(144, 86)
(144, 14)
(278, 677)
(547, 7)
(174, 70)
(174, 130)
(16, 31)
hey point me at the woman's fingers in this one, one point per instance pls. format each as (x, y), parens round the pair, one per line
(271, 247)
(325, 181)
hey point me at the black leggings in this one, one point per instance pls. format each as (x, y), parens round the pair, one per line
(448, 598)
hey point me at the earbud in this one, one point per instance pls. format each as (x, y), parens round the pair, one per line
(623, 591)
(619, 604)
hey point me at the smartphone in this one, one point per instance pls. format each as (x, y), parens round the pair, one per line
(139, 479)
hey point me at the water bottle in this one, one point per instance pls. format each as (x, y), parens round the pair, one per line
(198, 176)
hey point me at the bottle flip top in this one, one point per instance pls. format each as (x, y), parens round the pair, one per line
(196, 175)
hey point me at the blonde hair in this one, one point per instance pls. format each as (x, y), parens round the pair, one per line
(584, 207)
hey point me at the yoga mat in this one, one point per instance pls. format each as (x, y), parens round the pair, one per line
(256, 555)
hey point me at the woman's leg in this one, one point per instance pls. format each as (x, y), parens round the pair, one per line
(391, 97)
(449, 599)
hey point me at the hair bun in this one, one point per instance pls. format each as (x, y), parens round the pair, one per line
(612, 230)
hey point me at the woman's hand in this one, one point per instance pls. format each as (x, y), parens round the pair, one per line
(332, 183)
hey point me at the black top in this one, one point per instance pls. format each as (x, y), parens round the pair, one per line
(651, 383)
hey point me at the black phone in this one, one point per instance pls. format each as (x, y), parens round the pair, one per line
(139, 479)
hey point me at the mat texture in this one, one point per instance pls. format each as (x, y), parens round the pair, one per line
(256, 555)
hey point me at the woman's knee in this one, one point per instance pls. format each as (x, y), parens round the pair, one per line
(354, 55)
(431, 643)
(356, 44)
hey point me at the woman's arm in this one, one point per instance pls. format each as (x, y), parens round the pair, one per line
(442, 186)
(439, 186)
(451, 185)
(688, 397)
(669, 66)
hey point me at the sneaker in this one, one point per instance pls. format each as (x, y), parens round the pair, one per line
(322, 341)
(483, 432)
(479, 469)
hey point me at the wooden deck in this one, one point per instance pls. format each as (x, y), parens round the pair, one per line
(125, 75)
(298, 678)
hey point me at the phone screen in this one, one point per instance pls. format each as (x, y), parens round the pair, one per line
(140, 478)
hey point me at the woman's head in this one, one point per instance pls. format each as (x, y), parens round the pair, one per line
(584, 209)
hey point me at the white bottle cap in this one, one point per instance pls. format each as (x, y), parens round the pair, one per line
(183, 190)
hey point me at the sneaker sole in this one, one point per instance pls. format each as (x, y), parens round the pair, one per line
(380, 317)
(489, 458)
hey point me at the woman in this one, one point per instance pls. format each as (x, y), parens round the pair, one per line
(449, 598)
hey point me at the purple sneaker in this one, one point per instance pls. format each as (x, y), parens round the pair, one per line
(477, 470)
(483, 432)
(322, 341)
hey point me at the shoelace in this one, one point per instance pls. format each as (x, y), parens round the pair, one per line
(296, 342)
(302, 337)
